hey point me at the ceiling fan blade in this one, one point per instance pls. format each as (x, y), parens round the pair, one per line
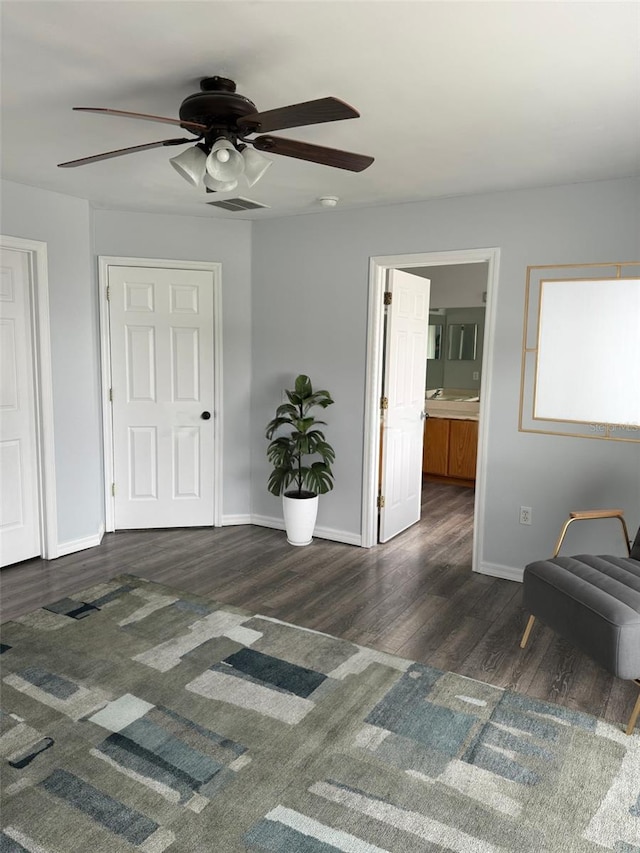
(188, 125)
(298, 115)
(120, 151)
(313, 153)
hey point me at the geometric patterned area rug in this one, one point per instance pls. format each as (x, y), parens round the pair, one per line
(139, 718)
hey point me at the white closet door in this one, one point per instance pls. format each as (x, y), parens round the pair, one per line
(19, 487)
(161, 331)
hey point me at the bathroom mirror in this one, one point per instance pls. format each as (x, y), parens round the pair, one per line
(462, 341)
(434, 341)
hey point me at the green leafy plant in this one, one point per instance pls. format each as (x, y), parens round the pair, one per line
(289, 453)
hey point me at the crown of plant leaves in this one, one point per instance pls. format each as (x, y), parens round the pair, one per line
(294, 436)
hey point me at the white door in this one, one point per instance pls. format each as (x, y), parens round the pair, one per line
(19, 490)
(405, 366)
(161, 338)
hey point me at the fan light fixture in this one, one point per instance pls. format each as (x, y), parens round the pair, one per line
(222, 119)
(220, 170)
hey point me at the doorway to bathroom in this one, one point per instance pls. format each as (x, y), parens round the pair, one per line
(451, 269)
(454, 372)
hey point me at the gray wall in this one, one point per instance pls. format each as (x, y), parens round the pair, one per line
(191, 238)
(455, 286)
(64, 224)
(295, 300)
(75, 235)
(310, 289)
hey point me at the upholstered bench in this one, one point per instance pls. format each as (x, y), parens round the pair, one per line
(592, 601)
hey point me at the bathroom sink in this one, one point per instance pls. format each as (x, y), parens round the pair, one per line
(452, 403)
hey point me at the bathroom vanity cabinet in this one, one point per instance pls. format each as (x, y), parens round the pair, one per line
(450, 450)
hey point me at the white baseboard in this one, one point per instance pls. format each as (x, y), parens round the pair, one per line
(268, 521)
(318, 533)
(338, 536)
(228, 520)
(497, 571)
(74, 545)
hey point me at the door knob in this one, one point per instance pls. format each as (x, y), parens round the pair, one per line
(205, 416)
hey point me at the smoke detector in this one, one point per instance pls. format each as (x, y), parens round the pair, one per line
(328, 200)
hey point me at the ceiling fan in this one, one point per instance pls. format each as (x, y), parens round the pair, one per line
(222, 121)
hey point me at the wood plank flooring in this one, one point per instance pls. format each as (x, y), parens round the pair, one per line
(415, 596)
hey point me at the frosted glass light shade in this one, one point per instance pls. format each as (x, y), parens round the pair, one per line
(219, 186)
(191, 165)
(224, 163)
(255, 165)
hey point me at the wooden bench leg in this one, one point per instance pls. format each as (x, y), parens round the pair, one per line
(635, 713)
(527, 631)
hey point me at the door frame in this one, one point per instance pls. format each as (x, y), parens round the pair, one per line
(104, 263)
(378, 267)
(38, 284)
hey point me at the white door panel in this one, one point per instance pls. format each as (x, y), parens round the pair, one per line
(404, 388)
(19, 488)
(161, 335)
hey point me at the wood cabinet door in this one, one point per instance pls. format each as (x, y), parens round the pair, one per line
(463, 447)
(435, 452)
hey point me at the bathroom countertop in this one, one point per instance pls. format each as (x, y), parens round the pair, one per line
(453, 414)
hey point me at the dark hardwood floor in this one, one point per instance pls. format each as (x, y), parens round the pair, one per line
(415, 596)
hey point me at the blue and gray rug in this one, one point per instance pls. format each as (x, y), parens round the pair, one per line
(136, 718)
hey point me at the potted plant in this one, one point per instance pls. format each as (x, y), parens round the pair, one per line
(296, 475)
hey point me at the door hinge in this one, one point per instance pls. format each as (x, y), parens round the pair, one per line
(380, 501)
(111, 395)
(384, 402)
(108, 294)
(113, 490)
(387, 297)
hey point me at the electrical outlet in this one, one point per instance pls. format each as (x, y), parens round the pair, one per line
(525, 515)
(476, 374)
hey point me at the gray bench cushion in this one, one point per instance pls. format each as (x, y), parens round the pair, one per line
(635, 548)
(592, 601)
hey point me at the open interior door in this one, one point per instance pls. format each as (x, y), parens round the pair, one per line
(405, 367)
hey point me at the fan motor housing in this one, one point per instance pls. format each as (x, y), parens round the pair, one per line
(217, 105)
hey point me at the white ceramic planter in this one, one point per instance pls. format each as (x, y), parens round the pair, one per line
(300, 518)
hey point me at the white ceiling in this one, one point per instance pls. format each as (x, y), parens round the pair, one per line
(455, 97)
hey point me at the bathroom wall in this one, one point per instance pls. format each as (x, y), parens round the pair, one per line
(465, 373)
(458, 290)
